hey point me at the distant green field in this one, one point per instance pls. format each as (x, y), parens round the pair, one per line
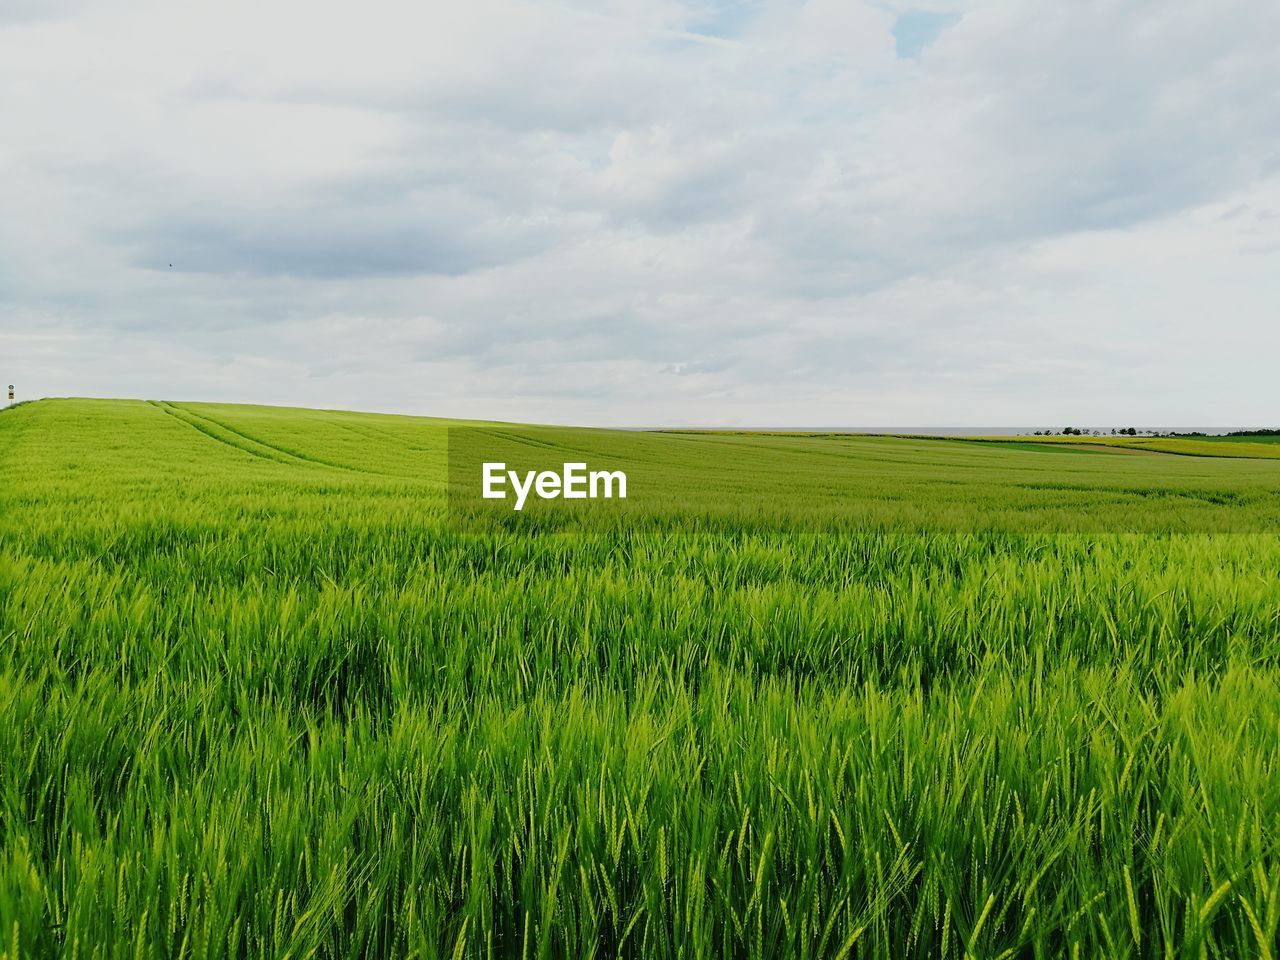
(267, 691)
(1257, 448)
(1268, 438)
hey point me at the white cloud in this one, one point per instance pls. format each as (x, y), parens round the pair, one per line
(718, 212)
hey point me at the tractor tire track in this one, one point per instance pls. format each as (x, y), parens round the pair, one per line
(289, 456)
(168, 409)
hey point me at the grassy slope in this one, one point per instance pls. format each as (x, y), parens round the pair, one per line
(260, 699)
(1262, 448)
(1269, 438)
(842, 482)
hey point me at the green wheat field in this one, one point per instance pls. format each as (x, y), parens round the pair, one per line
(266, 691)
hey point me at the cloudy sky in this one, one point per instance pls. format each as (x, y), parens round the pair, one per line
(767, 212)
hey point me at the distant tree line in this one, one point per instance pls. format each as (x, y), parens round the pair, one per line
(1265, 432)
(1077, 432)
(1134, 432)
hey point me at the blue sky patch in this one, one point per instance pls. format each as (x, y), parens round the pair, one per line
(916, 29)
